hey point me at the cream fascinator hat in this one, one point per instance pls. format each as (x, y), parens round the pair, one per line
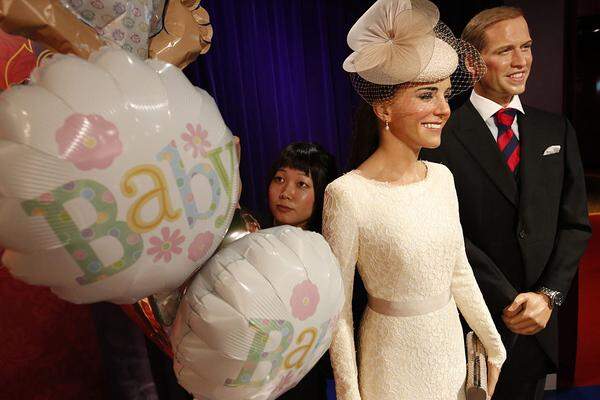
(397, 42)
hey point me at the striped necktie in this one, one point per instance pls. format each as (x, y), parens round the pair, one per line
(507, 140)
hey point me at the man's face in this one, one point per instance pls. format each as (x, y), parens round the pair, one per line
(507, 55)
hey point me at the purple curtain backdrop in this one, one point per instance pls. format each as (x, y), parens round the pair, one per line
(275, 70)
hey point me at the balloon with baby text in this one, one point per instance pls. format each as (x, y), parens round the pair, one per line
(118, 178)
(257, 316)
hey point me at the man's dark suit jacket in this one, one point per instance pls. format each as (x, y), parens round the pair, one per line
(525, 232)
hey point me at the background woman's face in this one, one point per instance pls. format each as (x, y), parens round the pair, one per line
(418, 113)
(291, 197)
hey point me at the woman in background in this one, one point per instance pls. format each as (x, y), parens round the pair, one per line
(296, 186)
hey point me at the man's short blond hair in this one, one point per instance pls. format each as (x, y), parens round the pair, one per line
(474, 32)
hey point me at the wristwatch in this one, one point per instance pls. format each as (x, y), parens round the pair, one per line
(556, 298)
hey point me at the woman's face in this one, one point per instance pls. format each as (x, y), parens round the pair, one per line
(418, 113)
(291, 197)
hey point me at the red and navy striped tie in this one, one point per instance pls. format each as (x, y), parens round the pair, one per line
(507, 140)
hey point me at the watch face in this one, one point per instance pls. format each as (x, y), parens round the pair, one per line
(558, 299)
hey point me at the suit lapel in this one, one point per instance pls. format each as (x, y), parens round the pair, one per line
(532, 146)
(475, 136)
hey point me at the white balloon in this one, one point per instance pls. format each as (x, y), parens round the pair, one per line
(257, 316)
(118, 177)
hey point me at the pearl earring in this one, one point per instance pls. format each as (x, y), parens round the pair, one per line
(387, 125)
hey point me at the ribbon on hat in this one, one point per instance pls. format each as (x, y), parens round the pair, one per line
(393, 41)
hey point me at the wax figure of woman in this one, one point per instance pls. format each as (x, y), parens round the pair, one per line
(396, 217)
(297, 182)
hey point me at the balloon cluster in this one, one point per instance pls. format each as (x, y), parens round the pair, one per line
(119, 181)
(175, 31)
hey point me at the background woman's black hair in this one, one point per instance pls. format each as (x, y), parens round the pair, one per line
(315, 161)
(365, 135)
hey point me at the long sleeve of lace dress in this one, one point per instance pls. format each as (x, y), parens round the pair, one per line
(471, 304)
(341, 232)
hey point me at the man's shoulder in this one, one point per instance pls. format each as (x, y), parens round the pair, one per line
(546, 124)
(538, 114)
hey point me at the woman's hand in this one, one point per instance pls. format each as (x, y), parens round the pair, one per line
(493, 373)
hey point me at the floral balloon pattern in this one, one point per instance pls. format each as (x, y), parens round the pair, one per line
(304, 300)
(88, 141)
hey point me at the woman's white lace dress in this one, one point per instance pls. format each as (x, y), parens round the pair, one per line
(407, 243)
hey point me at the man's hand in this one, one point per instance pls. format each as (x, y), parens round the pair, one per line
(528, 314)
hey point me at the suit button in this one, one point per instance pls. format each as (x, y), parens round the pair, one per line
(522, 234)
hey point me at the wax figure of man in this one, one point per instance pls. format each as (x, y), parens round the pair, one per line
(522, 199)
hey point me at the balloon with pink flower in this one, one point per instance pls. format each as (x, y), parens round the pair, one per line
(118, 178)
(260, 313)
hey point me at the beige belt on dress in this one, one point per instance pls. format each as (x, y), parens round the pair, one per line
(409, 308)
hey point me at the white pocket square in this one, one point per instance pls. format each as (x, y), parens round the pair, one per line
(552, 150)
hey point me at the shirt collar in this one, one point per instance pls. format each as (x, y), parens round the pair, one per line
(487, 108)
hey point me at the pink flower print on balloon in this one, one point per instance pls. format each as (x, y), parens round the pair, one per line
(196, 140)
(136, 12)
(304, 300)
(135, 38)
(200, 246)
(165, 247)
(88, 141)
(97, 4)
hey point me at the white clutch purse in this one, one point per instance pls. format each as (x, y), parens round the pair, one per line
(476, 384)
